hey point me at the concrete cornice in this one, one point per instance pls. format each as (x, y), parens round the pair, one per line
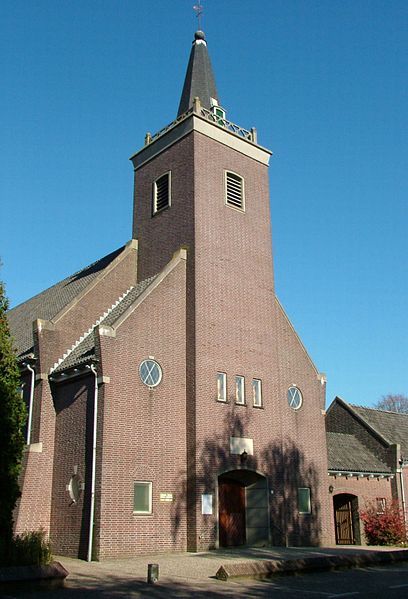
(195, 122)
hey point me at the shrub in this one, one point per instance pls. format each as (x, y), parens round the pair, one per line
(384, 527)
(28, 549)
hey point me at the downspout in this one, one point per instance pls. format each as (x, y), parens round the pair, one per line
(93, 475)
(30, 403)
(403, 493)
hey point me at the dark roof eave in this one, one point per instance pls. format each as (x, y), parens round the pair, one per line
(360, 473)
(73, 371)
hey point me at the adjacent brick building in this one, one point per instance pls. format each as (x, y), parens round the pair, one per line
(368, 459)
(172, 404)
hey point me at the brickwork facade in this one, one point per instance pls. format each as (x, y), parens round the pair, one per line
(74, 405)
(362, 488)
(210, 309)
(51, 340)
(235, 326)
(143, 436)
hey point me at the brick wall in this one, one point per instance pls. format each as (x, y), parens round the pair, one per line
(51, 340)
(143, 436)
(163, 234)
(74, 403)
(367, 490)
(235, 327)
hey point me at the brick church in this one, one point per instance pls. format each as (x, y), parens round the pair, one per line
(172, 406)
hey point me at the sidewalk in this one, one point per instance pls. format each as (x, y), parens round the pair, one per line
(193, 574)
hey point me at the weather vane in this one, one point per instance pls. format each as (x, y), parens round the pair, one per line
(199, 11)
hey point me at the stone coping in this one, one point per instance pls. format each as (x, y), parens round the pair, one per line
(267, 568)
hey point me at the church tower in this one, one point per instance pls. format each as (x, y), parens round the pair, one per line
(173, 406)
(202, 183)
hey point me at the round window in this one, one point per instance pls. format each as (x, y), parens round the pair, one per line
(150, 373)
(295, 398)
(74, 488)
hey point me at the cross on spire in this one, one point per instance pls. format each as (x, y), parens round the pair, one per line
(199, 11)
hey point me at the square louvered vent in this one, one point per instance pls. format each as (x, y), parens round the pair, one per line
(234, 190)
(161, 193)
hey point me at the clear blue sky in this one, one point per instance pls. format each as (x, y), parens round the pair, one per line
(324, 82)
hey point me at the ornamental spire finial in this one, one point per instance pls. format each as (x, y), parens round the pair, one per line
(199, 11)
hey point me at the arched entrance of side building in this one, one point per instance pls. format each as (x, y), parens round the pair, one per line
(346, 519)
(243, 511)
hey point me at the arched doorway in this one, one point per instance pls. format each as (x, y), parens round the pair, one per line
(243, 517)
(346, 519)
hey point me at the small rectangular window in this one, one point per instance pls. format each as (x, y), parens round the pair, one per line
(239, 389)
(221, 386)
(304, 504)
(142, 497)
(234, 190)
(381, 505)
(257, 392)
(162, 192)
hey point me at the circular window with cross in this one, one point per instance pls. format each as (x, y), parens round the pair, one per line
(295, 398)
(150, 373)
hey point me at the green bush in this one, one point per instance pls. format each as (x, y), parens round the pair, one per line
(27, 549)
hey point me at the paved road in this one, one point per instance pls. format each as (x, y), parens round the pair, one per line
(390, 582)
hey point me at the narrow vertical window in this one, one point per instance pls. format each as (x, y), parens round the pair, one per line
(162, 192)
(239, 389)
(304, 504)
(234, 190)
(142, 497)
(221, 386)
(257, 392)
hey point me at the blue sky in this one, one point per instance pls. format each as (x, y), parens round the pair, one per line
(325, 84)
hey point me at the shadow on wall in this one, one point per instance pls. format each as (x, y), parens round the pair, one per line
(283, 464)
(288, 471)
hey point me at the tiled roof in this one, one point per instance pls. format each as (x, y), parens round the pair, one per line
(392, 426)
(346, 453)
(50, 302)
(85, 349)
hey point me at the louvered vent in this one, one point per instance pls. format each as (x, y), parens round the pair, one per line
(161, 193)
(235, 190)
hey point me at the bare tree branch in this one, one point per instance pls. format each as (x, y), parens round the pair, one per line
(393, 403)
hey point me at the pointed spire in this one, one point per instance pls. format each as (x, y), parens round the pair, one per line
(199, 79)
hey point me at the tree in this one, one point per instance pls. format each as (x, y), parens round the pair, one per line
(12, 420)
(393, 403)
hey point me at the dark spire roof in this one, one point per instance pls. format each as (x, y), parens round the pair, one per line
(199, 79)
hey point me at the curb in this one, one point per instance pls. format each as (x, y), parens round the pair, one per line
(15, 574)
(267, 568)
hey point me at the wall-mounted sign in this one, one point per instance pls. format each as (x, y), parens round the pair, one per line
(166, 496)
(240, 444)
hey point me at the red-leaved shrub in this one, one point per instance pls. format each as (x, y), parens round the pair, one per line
(385, 527)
